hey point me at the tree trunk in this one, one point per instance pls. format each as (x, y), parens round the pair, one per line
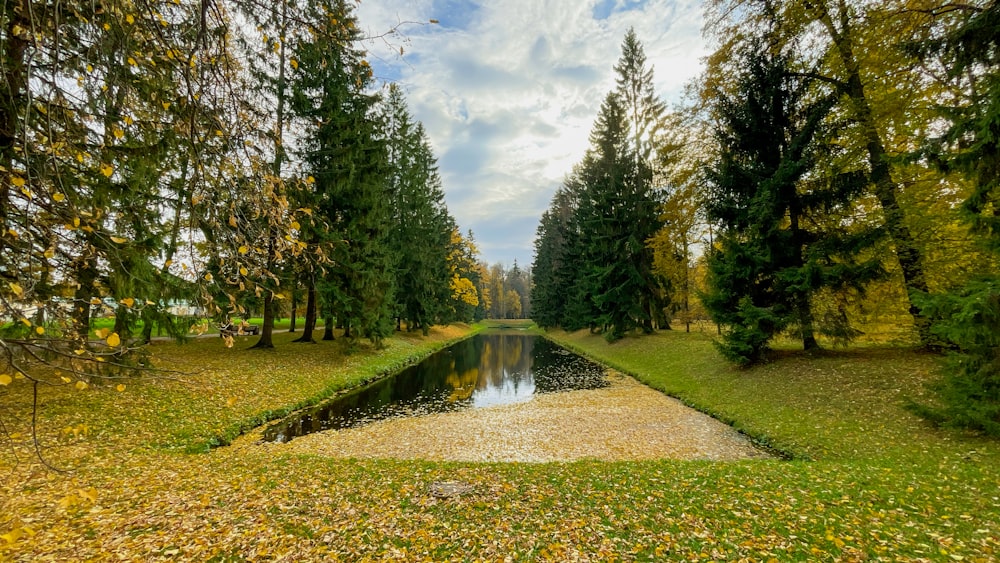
(911, 260)
(310, 323)
(806, 325)
(267, 325)
(328, 329)
(291, 321)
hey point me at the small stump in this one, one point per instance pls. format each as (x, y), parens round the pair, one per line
(448, 489)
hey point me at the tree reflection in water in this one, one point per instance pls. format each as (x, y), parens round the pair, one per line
(485, 370)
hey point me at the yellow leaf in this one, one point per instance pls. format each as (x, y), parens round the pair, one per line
(13, 535)
(208, 276)
(96, 301)
(17, 181)
(40, 330)
(129, 19)
(65, 379)
(114, 339)
(279, 295)
(81, 385)
(76, 221)
(131, 61)
(89, 494)
(107, 170)
(243, 271)
(167, 264)
(310, 180)
(118, 133)
(101, 333)
(244, 250)
(118, 240)
(49, 253)
(128, 302)
(294, 63)
(232, 221)
(5, 379)
(296, 225)
(166, 106)
(58, 197)
(120, 387)
(230, 402)
(17, 289)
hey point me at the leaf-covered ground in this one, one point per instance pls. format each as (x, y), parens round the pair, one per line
(623, 421)
(871, 481)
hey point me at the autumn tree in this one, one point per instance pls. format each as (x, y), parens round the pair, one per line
(853, 47)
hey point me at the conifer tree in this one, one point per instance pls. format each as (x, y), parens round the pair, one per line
(968, 316)
(775, 248)
(346, 159)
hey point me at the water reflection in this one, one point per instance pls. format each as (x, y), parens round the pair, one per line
(485, 370)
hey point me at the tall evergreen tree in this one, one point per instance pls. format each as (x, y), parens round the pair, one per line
(634, 86)
(968, 317)
(774, 248)
(421, 227)
(617, 215)
(346, 159)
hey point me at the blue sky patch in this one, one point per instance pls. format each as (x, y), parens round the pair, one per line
(455, 14)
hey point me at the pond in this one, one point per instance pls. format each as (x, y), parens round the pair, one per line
(485, 370)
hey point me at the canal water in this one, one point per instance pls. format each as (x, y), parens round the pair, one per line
(485, 370)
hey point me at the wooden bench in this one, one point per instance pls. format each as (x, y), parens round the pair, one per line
(238, 330)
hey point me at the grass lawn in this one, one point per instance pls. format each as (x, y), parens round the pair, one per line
(867, 480)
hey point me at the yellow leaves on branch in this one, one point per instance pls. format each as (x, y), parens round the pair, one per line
(113, 339)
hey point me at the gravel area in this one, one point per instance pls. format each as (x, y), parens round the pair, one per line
(624, 421)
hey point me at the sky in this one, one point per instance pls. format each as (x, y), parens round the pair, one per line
(508, 91)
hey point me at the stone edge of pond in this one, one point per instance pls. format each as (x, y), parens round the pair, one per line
(246, 425)
(762, 442)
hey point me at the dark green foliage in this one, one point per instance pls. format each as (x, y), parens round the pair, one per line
(421, 227)
(592, 264)
(968, 318)
(347, 159)
(777, 244)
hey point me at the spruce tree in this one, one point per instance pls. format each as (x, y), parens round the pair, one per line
(347, 163)
(776, 247)
(968, 317)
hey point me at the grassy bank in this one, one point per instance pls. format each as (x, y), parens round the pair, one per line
(868, 480)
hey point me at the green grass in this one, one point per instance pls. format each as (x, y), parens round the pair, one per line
(867, 480)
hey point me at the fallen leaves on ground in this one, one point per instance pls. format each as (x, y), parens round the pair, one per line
(129, 501)
(625, 421)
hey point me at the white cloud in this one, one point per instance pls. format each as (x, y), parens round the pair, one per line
(509, 89)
